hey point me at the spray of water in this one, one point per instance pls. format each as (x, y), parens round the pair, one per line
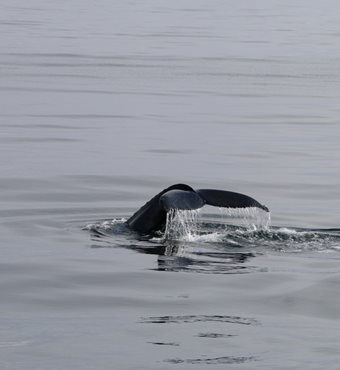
(181, 224)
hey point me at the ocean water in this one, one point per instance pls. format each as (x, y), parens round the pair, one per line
(104, 104)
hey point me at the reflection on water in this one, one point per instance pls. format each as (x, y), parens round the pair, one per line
(201, 262)
(229, 322)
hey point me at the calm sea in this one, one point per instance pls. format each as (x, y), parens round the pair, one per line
(104, 104)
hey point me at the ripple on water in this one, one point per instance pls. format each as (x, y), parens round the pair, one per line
(209, 245)
(190, 231)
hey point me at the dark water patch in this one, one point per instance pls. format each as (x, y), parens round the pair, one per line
(212, 361)
(173, 344)
(199, 318)
(214, 335)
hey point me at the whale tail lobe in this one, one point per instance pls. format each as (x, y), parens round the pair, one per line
(228, 199)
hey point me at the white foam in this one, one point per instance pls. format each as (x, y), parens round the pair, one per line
(105, 225)
(285, 230)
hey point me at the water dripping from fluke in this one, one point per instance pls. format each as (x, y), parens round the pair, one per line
(251, 218)
(181, 225)
(186, 225)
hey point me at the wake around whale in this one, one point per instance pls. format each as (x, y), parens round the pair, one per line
(152, 216)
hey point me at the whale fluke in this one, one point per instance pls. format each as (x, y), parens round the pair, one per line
(152, 216)
(228, 199)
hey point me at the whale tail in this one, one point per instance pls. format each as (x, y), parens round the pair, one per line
(152, 216)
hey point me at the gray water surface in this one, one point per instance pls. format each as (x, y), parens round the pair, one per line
(105, 104)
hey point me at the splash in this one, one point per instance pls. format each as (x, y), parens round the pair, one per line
(181, 224)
